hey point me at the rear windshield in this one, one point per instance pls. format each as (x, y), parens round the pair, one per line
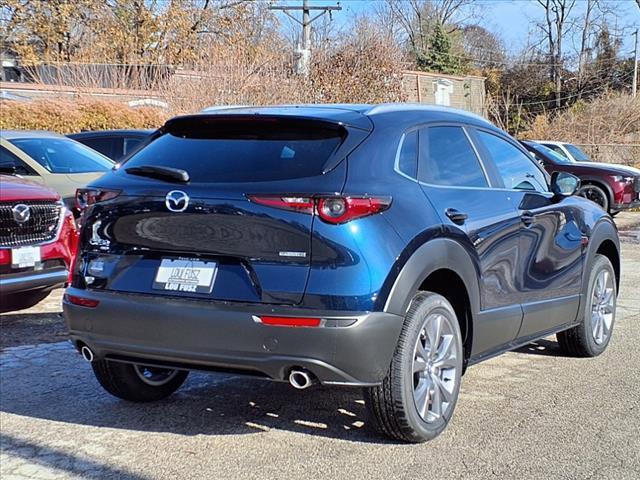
(243, 150)
(61, 155)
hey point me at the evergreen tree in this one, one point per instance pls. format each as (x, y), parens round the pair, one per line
(439, 57)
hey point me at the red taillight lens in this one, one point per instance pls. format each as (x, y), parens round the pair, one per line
(335, 209)
(345, 209)
(81, 301)
(88, 196)
(290, 321)
(301, 204)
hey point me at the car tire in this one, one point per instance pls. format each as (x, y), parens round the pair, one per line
(22, 300)
(592, 335)
(595, 194)
(127, 380)
(418, 371)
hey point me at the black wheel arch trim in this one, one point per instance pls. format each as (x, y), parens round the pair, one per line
(435, 254)
(603, 230)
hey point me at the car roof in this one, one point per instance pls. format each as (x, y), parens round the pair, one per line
(111, 133)
(354, 114)
(552, 142)
(18, 134)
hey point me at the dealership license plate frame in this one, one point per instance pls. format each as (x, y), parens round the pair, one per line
(185, 275)
(24, 257)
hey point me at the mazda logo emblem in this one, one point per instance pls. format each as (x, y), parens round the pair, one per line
(177, 201)
(21, 213)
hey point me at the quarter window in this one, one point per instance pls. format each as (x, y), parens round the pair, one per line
(447, 158)
(517, 170)
(408, 160)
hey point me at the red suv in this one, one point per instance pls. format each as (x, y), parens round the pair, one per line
(613, 187)
(37, 242)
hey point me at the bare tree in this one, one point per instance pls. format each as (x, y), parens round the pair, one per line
(556, 15)
(413, 20)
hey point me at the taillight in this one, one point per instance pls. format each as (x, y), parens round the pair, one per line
(331, 209)
(86, 197)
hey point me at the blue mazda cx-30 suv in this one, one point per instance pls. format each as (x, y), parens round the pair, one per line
(387, 247)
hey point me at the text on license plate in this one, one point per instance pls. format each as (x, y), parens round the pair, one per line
(25, 257)
(180, 275)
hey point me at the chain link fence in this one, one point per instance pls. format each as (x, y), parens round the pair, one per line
(624, 154)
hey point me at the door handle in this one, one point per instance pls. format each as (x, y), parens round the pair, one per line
(527, 218)
(456, 216)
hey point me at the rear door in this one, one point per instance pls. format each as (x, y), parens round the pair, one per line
(244, 213)
(550, 258)
(454, 180)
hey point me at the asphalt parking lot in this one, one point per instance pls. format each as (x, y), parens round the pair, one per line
(530, 413)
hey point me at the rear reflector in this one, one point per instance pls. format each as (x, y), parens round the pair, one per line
(81, 301)
(289, 321)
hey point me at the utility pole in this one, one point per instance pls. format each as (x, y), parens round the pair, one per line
(634, 89)
(304, 51)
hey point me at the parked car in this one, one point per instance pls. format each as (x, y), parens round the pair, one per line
(568, 150)
(115, 144)
(387, 247)
(37, 241)
(53, 160)
(613, 187)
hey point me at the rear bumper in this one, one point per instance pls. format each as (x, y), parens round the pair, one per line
(351, 348)
(33, 280)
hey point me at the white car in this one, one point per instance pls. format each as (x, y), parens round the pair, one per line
(567, 150)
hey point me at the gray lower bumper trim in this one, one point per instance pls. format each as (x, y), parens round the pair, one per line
(215, 335)
(32, 280)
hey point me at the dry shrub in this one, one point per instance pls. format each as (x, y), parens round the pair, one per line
(74, 116)
(612, 118)
(608, 128)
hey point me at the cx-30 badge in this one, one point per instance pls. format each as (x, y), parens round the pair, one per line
(21, 213)
(177, 201)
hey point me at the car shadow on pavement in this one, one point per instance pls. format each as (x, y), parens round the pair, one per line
(31, 328)
(59, 386)
(41, 460)
(542, 347)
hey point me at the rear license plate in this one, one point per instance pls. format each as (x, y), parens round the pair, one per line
(25, 257)
(180, 275)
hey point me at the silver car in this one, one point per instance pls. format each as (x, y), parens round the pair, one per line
(51, 159)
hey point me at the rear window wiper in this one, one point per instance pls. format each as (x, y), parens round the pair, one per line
(161, 173)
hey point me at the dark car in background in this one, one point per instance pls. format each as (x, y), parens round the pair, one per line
(37, 242)
(613, 187)
(385, 247)
(115, 144)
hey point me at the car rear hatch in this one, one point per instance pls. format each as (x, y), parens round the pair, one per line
(207, 237)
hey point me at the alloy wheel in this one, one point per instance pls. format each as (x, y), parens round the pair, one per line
(602, 307)
(154, 376)
(435, 361)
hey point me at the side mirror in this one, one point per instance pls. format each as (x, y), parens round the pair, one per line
(564, 184)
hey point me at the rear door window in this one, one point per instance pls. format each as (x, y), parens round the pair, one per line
(111, 147)
(447, 158)
(241, 150)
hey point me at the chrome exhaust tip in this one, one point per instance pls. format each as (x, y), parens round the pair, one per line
(300, 379)
(86, 353)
